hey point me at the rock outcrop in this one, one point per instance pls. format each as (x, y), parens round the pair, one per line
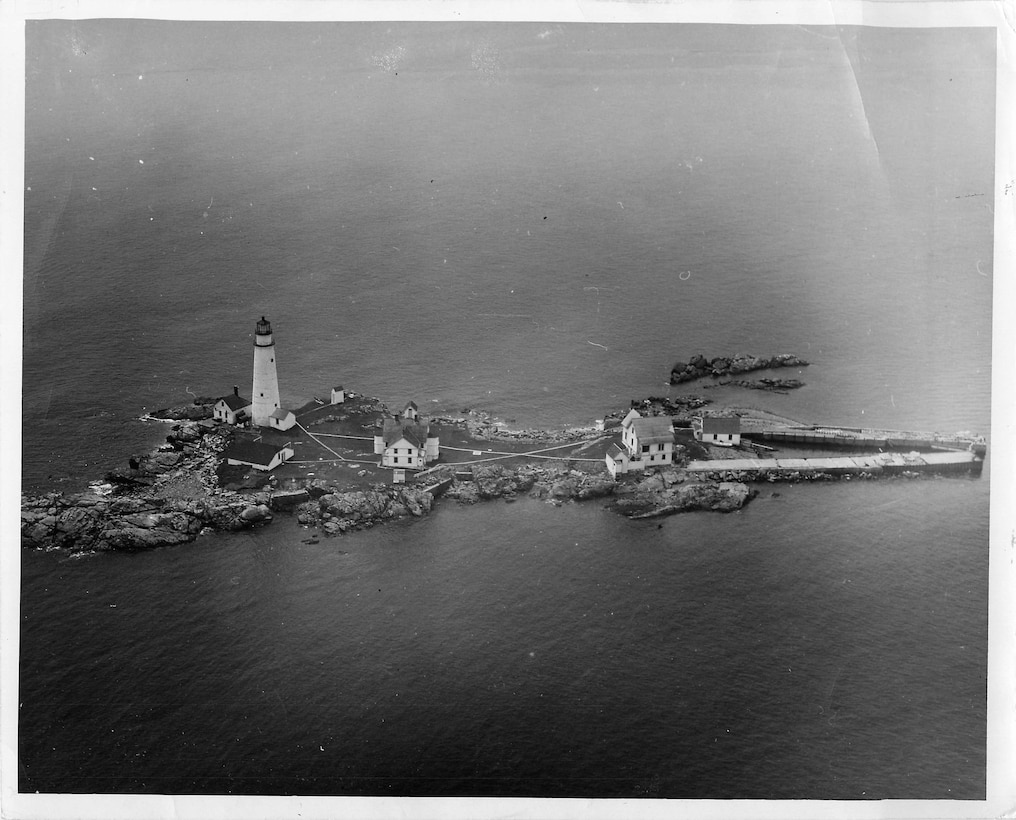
(699, 366)
(650, 500)
(338, 512)
(773, 385)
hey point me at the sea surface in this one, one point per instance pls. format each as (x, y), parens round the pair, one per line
(535, 220)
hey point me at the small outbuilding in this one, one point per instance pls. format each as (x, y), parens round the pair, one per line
(338, 395)
(411, 411)
(617, 460)
(232, 409)
(282, 419)
(258, 454)
(722, 430)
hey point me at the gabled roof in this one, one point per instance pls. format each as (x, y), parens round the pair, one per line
(337, 387)
(415, 434)
(252, 452)
(721, 424)
(630, 417)
(235, 402)
(653, 430)
(616, 453)
(280, 413)
(411, 404)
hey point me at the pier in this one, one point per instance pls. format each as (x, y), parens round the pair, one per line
(874, 464)
(859, 437)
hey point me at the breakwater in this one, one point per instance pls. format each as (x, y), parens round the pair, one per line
(857, 438)
(866, 465)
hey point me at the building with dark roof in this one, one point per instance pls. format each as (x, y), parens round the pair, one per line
(257, 454)
(281, 418)
(722, 430)
(406, 442)
(232, 409)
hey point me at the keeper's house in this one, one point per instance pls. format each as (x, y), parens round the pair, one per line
(723, 431)
(232, 409)
(403, 442)
(258, 454)
(646, 443)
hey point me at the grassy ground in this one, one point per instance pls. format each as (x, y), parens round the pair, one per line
(343, 451)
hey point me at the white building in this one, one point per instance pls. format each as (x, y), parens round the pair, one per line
(338, 395)
(257, 454)
(232, 409)
(411, 411)
(406, 443)
(282, 419)
(265, 395)
(721, 430)
(646, 443)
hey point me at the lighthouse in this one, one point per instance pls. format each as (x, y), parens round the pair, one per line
(265, 394)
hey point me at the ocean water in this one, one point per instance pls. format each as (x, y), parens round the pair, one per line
(534, 220)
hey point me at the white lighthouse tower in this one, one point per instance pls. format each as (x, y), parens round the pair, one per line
(265, 395)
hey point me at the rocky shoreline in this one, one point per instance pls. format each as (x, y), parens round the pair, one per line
(174, 494)
(699, 366)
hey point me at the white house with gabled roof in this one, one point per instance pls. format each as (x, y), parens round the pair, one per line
(408, 442)
(646, 442)
(232, 409)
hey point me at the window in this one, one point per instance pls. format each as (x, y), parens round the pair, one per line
(645, 448)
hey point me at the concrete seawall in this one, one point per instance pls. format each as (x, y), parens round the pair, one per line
(858, 438)
(878, 463)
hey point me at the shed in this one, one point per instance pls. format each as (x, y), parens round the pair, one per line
(282, 419)
(338, 395)
(723, 430)
(617, 459)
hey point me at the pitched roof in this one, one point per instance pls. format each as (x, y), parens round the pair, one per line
(415, 434)
(252, 452)
(337, 387)
(721, 424)
(616, 453)
(630, 417)
(235, 402)
(411, 404)
(653, 430)
(280, 413)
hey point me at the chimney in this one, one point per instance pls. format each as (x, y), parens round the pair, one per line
(236, 390)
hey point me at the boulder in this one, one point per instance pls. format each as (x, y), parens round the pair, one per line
(492, 480)
(256, 514)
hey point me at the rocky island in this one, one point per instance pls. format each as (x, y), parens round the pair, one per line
(188, 485)
(183, 489)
